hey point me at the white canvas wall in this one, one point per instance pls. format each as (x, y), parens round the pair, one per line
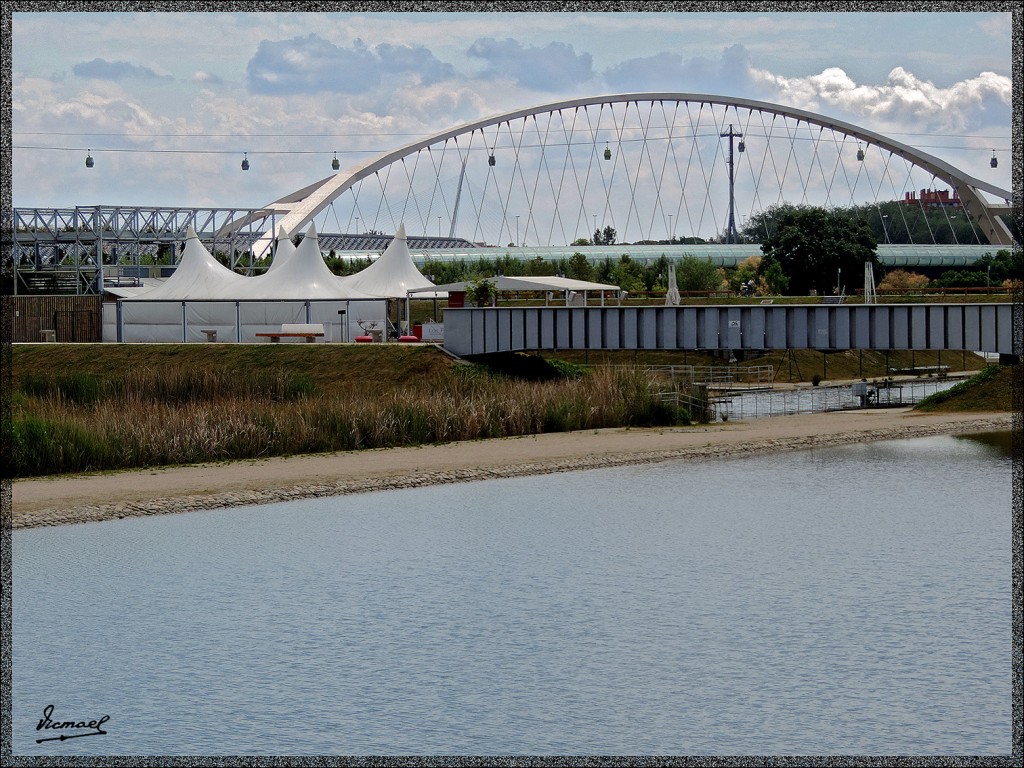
(176, 321)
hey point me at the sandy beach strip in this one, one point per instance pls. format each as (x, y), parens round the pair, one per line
(85, 498)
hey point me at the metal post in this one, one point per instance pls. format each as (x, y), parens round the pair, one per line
(730, 229)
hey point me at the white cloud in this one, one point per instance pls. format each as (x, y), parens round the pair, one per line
(312, 64)
(903, 100)
(549, 68)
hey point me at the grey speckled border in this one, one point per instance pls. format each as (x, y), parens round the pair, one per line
(525, 760)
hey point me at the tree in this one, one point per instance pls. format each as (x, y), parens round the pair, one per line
(627, 274)
(606, 237)
(693, 274)
(481, 292)
(579, 267)
(813, 247)
(902, 280)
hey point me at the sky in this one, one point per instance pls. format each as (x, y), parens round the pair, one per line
(167, 103)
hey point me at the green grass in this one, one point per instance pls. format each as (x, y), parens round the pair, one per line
(992, 389)
(126, 406)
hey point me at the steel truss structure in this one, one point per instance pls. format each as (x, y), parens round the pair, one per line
(55, 250)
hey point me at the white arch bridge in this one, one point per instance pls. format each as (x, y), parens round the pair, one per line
(652, 166)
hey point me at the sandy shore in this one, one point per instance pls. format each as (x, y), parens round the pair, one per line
(79, 499)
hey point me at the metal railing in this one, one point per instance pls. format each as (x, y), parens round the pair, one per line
(875, 394)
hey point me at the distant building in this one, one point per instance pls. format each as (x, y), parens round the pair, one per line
(933, 198)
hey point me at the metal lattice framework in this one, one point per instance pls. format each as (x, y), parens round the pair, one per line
(55, 250)
(650, 165)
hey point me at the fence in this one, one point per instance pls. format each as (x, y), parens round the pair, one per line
(55, 318)
(719, 376)
(876, 394)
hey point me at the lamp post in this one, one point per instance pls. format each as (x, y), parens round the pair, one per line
(595, 229)
(438, 226)
(670, 227)
(730, 228)
(885, 228)
(517, 231)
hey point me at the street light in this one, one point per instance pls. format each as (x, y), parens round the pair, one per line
(670, 227)
(438, 226)
(517, 231)
(885, 228)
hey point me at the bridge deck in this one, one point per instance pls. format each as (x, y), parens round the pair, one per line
(973, 327)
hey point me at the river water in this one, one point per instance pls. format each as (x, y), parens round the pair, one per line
(850, 600)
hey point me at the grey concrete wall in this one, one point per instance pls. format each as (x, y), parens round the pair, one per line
(972, 327)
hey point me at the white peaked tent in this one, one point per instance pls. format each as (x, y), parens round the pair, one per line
(282, 252)
(303, 275)
(198, 276)
(391, 276)
(204, 301)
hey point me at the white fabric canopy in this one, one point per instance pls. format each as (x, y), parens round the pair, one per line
(391, 276)
(198, 275)
(502, 283)
(285, 248)
(304, 275)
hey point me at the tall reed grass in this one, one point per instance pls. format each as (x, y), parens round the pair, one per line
(189, 417)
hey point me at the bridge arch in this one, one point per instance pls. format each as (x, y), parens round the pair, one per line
(294, 211)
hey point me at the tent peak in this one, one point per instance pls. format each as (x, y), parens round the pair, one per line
(400, 234)
(190, 232)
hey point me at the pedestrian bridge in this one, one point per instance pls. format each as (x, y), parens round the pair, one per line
(971, 327)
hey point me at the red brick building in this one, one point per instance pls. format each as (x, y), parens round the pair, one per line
(933, 198)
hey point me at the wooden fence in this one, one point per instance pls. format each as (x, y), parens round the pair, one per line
(74, 319)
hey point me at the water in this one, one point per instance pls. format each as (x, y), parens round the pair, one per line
(853, 600)
(783, 402)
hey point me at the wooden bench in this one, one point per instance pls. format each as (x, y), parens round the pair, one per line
(308, 331)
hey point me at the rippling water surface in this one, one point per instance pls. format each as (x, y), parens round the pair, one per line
(852, 600)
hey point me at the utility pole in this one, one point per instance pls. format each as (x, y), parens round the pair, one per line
(730, 229)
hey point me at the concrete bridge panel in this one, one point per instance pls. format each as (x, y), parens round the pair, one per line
(860, 328)
(647, 328)
(752, 327)
(954, 328)
(819, 324)
(775, 336)
(989, 328)
(687, 334)
(730, 328)
(707, 328)
(627, 328)
(546, 326)
(839, 328)
(918, 327)
(937, 327)
(973, 327)
(899, 331)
